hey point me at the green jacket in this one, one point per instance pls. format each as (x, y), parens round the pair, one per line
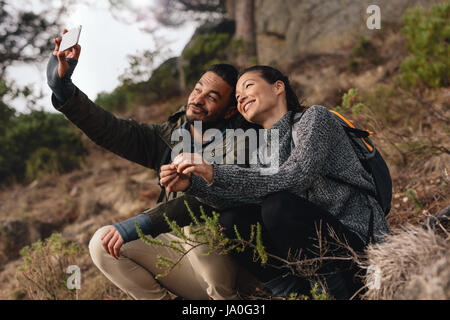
(149, 145)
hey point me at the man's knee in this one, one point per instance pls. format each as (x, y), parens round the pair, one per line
(96, 249)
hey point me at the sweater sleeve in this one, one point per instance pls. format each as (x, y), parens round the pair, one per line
(315, 135)
(218, 197)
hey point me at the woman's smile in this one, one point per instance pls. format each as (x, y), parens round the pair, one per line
(247, 105)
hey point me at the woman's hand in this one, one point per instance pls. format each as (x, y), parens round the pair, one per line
(187, 163)
(172, 180)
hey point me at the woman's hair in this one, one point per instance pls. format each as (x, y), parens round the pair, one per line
(272, 75)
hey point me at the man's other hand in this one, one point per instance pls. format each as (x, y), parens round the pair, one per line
(112, 241)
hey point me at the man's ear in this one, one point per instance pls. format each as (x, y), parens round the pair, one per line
(231, 111)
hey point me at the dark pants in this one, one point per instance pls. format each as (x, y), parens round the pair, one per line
(289, 224)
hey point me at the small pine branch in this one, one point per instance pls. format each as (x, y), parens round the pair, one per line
(191, 213)
(259, 245)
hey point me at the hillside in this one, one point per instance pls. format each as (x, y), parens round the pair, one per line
(411, 132)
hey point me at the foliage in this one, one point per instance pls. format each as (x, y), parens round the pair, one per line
(162, 84)
(316, 293)
(206, 231)
(364, 52)
(43, 272)
(6, 112)
(31, 139)
(428, 39)
(26, 34)
(206, 49)
(171, 13)
(351, 102)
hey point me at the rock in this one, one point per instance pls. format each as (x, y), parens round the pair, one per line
(287, 29)
(14, 235)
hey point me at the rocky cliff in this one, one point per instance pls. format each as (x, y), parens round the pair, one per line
(291, 28)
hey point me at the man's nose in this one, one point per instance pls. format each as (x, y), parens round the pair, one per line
(198, 99)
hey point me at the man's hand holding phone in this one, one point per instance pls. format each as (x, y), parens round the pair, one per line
(70, 53)
(61, 66)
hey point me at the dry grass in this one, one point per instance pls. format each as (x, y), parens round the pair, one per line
(413, 263)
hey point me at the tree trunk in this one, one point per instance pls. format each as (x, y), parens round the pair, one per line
(230, 7)
(245, 32)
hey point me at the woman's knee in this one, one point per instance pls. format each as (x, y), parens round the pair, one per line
(276, 209)
(227, 221)
(242, 218)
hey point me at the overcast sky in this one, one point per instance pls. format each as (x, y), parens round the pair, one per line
(105, 43)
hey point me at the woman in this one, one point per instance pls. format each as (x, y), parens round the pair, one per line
(320, 182)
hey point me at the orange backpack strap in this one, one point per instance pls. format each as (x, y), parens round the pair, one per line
(353, 127)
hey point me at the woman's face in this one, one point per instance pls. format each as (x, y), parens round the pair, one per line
(256, 97)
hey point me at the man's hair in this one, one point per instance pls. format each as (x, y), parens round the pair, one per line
(230, 75)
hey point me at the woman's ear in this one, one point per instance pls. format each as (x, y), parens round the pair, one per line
(279, 87)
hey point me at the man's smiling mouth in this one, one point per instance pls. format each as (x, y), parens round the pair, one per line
(196, 109)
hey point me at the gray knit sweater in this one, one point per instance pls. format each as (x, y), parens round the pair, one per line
(317, 162)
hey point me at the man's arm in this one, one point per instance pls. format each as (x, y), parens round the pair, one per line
(152, 221)
(139, 143)
(136, 142)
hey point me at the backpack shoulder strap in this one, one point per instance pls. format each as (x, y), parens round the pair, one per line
(351, 128)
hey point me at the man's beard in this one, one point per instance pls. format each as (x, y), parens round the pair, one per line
(208, 122)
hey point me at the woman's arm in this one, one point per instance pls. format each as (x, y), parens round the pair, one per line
(191, 184)
(315, 135)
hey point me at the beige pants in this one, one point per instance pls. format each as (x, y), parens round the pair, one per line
(197, 277)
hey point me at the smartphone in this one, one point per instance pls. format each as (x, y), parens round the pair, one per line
(70, 38)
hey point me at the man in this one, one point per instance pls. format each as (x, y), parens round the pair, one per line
(116, 250)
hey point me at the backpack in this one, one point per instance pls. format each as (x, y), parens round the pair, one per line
(371, 160)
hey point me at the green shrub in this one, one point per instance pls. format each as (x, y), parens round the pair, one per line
(41, 162)
(114, 101)
(206, 49)
(43, 272)
(428, 37)
(163, 83)
(44, 161)
(26, 134)
(351, 102)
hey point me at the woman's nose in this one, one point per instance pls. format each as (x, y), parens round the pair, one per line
(242, 99)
